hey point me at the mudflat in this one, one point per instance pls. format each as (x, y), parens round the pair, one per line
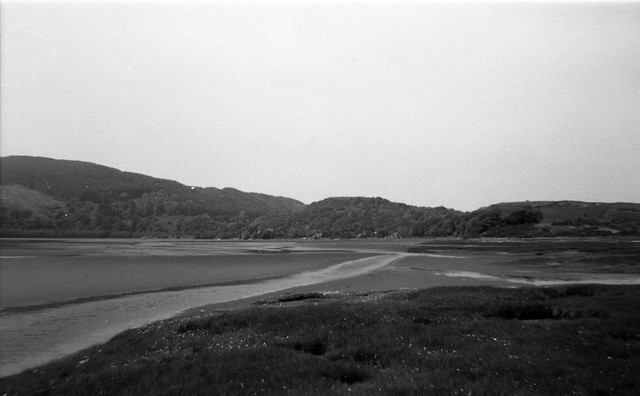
(499, 262)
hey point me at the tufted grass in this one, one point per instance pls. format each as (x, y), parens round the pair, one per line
(478, 340)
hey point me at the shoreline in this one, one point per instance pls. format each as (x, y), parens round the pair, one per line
(405, 277)
(45, 281)
(82, 300)
(74, 339)
(400, 271)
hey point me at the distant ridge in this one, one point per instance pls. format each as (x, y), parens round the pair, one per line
(48, 197)
(77, 179)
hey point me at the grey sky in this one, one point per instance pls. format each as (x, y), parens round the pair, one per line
(460, 105)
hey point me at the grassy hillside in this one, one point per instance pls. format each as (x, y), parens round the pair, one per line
(81, 180)
(25, 199)
(24, 208)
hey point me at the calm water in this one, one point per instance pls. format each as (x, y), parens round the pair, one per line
(31, 338)
(29, 281)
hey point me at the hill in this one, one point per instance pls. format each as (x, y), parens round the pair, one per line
(93, 200)
(48, 197)
(554, 218)
(359, 217)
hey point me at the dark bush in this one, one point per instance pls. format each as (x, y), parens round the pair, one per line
(301, 296)
(345, 373)
(316, 347)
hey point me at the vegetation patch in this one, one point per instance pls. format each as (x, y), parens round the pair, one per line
(302, 296)
(296, 297)
(477, 340)
(346, 373)
(316, 347)
(315, 344)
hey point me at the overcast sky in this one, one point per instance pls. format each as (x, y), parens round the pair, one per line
(461, 105)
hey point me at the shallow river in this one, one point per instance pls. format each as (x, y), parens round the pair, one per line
(33, 337)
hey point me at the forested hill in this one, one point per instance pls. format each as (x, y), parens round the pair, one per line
(47, 197)
(89, 199)
(80, 180)
(377, 217)
(359, 217)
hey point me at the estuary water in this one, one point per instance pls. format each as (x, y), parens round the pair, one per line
(60, 296)
(33, 337)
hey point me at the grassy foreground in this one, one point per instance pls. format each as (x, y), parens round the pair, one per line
(472, 341)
